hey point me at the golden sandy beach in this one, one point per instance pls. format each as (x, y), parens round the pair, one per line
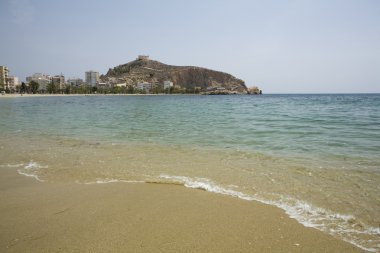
(124, 217)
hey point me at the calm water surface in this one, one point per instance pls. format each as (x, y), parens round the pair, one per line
(315, 156)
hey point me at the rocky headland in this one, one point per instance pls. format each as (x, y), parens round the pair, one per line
(185, 78)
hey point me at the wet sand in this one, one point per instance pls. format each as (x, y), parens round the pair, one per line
(123, 217)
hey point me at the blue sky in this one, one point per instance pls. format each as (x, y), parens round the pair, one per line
(292, 46)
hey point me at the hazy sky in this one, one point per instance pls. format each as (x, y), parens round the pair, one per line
(282, 46)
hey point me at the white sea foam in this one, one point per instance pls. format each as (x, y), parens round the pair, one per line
(11, 165)
(30, 175)
(33, 165)
(107, 181)
(206, 184)
(305, 213)
(31, 170)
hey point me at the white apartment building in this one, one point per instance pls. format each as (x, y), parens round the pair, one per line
(58, 81)
(120, 85)
(147, 87)
(168, 85)
(4, 74)
(13, 82)
(92, 78)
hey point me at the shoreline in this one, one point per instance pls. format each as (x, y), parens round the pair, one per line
(143, 217)
(110, 95)
(79, 95)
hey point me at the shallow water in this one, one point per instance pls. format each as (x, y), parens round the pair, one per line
(315, 156)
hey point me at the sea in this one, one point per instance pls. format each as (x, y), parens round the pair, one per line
(316, 156)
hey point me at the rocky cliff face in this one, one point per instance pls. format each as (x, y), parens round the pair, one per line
(146, 70)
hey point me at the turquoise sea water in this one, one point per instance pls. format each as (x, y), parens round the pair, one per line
(315, 156)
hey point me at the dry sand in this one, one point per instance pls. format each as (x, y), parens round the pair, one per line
(120, 217)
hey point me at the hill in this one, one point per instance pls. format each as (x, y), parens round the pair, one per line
(184, 77)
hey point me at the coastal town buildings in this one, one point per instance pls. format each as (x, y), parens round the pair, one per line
(120, 85)
(58, 81)
(13, 82)
(92, 78)
(139, 76)
(145, 87)
(168, 85)
(8, 82)
(76, 82)
(4, 74)
(42, 80)
(102, 85)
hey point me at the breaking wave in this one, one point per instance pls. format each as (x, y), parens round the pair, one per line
(107, 181)
(31, 170)
(344, 226)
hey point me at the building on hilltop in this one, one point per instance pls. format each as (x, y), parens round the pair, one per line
(4, 75)
(92, 78)
(143, 57)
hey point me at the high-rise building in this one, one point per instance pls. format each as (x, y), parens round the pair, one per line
(4, 74)
(13, 82)
(92, 78)
(58, 81)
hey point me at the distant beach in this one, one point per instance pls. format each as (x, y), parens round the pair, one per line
(14, 95)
